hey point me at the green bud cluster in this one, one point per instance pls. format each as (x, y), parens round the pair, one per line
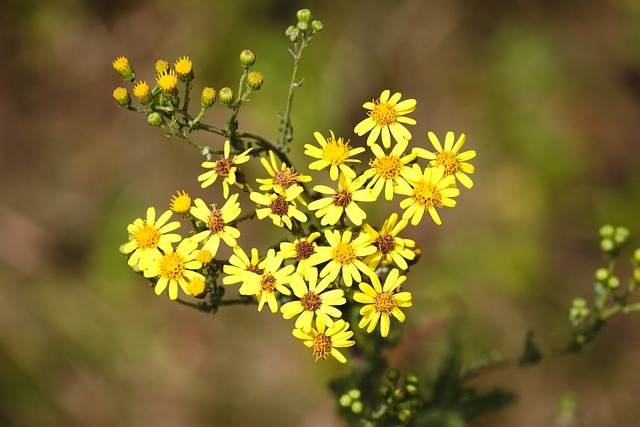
(579, 312)
(305, 28)
(612, 238)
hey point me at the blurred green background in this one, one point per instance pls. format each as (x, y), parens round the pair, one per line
(547, 91)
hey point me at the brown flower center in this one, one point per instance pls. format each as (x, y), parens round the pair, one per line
(342, 198)
(223, 166)
(279, 206)
(384, 303)
(385, 244)
(304, 250)
(311, 301)
(215, 222)
(321, 346)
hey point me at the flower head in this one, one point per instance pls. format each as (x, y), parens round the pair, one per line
(340, 201)
(387, 117)
(387, 169)
(325, 342)
(149, 237)
(173, 268)
(381, 302)
(226, 167)
(314, 300)
(272, 279)
(196, 286)
(390, 247)
(123, 67)
(122, 97)
(454, 163)
(161, 66)
(333, 154)
(303, 250)
(343, 256)
(167, 81)
(217, 221)
(240, 266)
(180, 203)
(279, 208)
(142, 91)
(184, 68)
(429, 190)
(208, 97)
(284, 179)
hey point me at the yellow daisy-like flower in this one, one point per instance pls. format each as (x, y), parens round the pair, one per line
(386, 118)
(217, 221)
(314, 301)
(343, 255)
(387, 169)
(122, 97)
(381, 302)
(334, 154)
(183, 66)
(272, 279)
(142, 91)
(124, 68)
(149, 236)
(196, 286)
(284, 180)
(180, 203)
(390, 247)
(304, 252)
(226, 167)
(240, 266)
(428, 191)
(167, 81)
(174, 268)
(342, 200)
(161, 66)
(279, 208)
(454, 163)
(325, 342)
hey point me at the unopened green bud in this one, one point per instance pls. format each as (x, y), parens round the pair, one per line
(393, 375)
(254, 80)
(404, 415)
(411, 378)
(621, 235)
(290, 30)
(302, 26)
(636, 275)
(208, 97)
(317, 26)
(399, 394)
(354, 393)
(357, 407)
(607, 245)
(606, 231)
(636, 256)
(345, 401)
(122, 97)
(226, 96)
(154, 119)
(579, 311)
(294, 34)
(247, 58)
(411, 389)
(613, 282)
(121, 250)
(303, 15)
(602, 274)
(124, 68)
(384, 390)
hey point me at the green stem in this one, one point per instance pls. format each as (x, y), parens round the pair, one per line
(285, 131)
(190, 141)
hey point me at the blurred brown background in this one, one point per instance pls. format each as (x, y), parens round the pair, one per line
(547, 91)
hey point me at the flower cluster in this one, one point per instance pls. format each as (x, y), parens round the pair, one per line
(331, 258)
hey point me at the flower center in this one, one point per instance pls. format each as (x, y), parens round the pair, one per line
(321, 346)
(223, 166)
(204, 256)
(285, 178)
(343, 254)
(387, 167)
(304, 250)
(342, 198)
(172, 266)
(449, 161)
(385, 244)
(147, 237)
(268, 283)
(180, 203)
(384, 303)
(336, 152)
(384, 114)
(215, 222)
(279, 206)
(311, 301)
(427, 195)
(255, 269)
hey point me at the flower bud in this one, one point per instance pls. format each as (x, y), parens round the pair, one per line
(354, 393)
(393, 375)
(613, 282)
(357, 407)
(154, 119)
(208, 97)
(226, 96)
(184, 69)
(247, 58)
(293, 34)
(302, 26)
(303, 15)
(636, 275)
(254, 80)
(404, 415)
(399, 393)
(317, 26)
(607, 245)
(345, 400)
(602, 274)
(621, 235)
(161, 66)
(290, 30)
(142, 91)
(411, 378)
(384, 390)
(636, 256)
(124, 68)
(606, 231)
(122, 97)
(411, 389)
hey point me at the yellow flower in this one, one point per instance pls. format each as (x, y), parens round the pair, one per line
(333, 154)
(390, 247)
(343, 255)
(122, 97)
(428, 191)
(279, 208)
(181, 203)
(386, 118)
(217, 221)
(167, 81)
(304, 252)
(325, 343)
(196, 286)
(454, 163)
(205, 257)
(284, 180)
(124, 68)
(142, 91)
(149, 236)
(387, 169)
(272, 279)
(342, 200)
(161, 66)
(382, 302)
(240, 266)
(226, 167)
(313, 302)
(183, 66)
(173, 267)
